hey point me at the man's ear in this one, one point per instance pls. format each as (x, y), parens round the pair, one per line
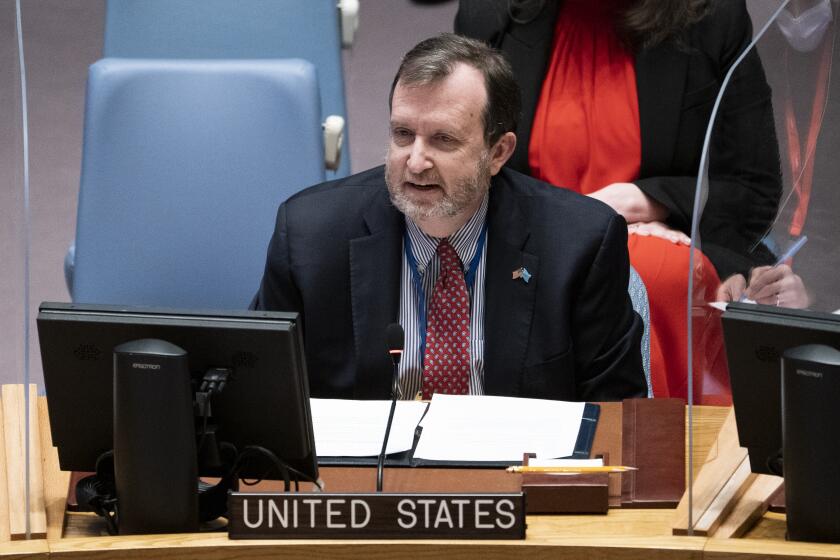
(501, 151)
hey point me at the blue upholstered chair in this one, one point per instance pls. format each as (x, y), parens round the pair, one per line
(224, 29)
(184, 165)
(639, 297)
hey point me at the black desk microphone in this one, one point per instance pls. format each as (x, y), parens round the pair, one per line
(396, 341)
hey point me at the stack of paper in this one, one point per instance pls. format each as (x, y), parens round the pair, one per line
(346, 428)
(480, 428)
(455, 428)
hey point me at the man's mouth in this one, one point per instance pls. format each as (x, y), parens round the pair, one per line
(422, 186)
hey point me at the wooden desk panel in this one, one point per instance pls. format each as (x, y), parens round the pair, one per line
(629, 534)
(767, 540)
(625, 534)
(29, 550)
(706, 423)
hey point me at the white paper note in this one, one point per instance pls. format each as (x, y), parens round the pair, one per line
(349, 428)
(480, 428)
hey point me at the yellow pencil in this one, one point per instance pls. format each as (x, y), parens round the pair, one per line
(571, 470)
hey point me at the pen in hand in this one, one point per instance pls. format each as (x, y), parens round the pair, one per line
(789, 254)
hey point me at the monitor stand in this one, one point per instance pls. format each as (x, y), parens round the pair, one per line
(155, 464)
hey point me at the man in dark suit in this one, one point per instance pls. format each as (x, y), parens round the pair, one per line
(537, 304)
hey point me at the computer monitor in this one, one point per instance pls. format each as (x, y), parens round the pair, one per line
(756, 336)
(265, 401)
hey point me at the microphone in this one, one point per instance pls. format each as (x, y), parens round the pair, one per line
(396, 341)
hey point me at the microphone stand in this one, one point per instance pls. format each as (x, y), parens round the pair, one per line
(380, 464)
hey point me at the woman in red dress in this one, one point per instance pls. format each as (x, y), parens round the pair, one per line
(617, 95)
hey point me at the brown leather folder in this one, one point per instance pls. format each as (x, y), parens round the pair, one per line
(777, 501)
(578, 493)
(653, 441)
(607, 445)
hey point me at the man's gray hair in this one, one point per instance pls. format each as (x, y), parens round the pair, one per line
(435, 58)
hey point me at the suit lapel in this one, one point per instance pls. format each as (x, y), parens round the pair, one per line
(509, 302)
(660, 69)
(375, 261)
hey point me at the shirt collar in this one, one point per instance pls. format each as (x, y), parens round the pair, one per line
(464, 240)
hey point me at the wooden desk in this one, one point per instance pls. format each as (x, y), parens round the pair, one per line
(29, 550)
(625, 534)
(643, 534)
(628, 534)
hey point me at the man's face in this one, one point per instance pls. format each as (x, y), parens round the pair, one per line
(438, 166)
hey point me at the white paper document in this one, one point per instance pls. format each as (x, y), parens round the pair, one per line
(349, 428)
(480, 428)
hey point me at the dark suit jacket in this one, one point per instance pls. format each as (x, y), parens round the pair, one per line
(570, 333)
(677, 83)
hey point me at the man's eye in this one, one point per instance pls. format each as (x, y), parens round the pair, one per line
(446, 141)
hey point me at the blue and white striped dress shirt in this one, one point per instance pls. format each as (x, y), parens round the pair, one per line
(424, 249)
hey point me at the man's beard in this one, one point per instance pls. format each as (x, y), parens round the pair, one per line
(466, 192)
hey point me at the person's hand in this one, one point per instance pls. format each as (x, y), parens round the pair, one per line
(770, 285)
(777, 285)
(628, 200)
(658, 229)
(732, 288)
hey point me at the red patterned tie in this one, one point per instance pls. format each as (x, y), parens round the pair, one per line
(446, 365)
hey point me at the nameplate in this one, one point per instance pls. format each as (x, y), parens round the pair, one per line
(376, 516)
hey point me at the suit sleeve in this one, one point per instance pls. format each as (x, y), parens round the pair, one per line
(607, 332)
(278, 291)
(744, 185)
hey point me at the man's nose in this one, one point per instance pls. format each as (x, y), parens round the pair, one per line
(418, 158)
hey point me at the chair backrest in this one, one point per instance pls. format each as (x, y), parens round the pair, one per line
(184, 165)
(221, 29)
(641, 305)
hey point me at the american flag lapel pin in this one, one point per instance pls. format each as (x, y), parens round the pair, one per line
(521, 273)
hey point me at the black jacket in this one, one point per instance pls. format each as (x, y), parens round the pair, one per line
(569, 333)
(677, 83)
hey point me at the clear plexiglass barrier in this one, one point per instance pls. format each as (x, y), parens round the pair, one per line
(765, 225)
(19, 436)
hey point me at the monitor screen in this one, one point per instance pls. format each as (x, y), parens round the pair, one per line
(756, 336)
(265, 401)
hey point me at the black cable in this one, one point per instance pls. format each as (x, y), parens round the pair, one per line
(284, 468)
(106, 508)
(775, 464)
(212, 383)
(277, 464)
(204, 422)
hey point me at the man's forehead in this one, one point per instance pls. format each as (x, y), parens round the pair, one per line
(461, 74)
(462, 92)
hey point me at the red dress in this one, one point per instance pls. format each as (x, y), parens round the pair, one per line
(586, 136)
